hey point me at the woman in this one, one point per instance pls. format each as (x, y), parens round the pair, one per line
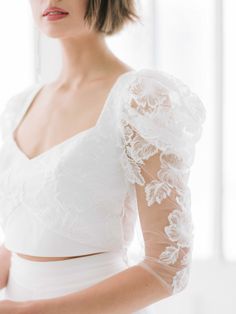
(82, 160)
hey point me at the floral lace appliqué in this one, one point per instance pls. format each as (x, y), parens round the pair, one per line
(161, 115)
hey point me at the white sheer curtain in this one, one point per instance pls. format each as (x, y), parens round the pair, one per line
(229, 127)
(17, 47)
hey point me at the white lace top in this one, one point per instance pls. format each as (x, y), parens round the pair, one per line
(92, 191)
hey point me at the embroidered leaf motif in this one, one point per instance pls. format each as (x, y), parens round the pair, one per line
(170, 255)
(180, 228)
(157, 191)
(180, 280)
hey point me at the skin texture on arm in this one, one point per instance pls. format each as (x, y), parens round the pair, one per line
(5, 256)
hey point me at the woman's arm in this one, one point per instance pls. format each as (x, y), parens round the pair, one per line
(123, 293)
(5, 256)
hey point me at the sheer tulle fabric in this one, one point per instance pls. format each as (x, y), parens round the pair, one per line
(161, 120)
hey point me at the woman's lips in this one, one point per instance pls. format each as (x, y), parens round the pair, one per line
(55, 16)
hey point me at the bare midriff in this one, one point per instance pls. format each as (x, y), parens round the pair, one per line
(46, 259)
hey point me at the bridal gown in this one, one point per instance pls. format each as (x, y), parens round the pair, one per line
(120, 184)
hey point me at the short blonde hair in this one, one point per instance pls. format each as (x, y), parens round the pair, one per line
(110, 16)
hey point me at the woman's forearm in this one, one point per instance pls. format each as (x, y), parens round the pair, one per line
(5, 256)
(123, 293)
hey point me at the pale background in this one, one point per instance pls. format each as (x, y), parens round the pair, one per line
(195, 41)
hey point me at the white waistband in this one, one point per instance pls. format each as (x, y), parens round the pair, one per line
(49, 278)
(84, 263)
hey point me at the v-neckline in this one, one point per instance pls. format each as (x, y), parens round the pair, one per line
(28, 103)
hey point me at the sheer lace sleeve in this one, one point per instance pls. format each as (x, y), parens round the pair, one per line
(161, 122)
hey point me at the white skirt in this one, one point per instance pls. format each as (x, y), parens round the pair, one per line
(33, 280)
